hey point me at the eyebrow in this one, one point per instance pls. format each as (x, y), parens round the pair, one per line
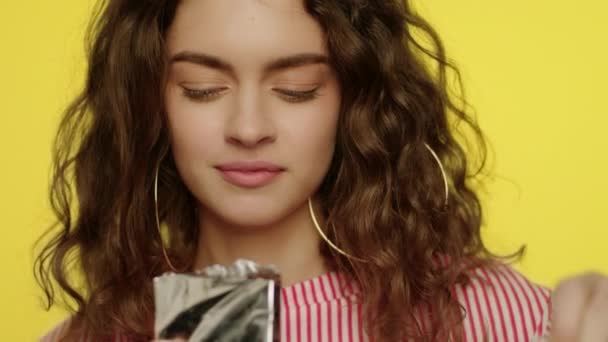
(280, 63)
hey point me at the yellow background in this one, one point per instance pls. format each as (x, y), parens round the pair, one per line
(535, 71)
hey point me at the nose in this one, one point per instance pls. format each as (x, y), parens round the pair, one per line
(250, 125)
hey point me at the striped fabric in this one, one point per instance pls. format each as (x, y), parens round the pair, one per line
(500, 304)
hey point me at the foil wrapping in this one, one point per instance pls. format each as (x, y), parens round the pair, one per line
(234, 303)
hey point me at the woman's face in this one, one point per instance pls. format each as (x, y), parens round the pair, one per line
(252, 106)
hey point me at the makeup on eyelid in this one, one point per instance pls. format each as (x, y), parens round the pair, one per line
(290, 95)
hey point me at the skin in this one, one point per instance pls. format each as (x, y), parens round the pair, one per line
(252, 118)
(580, 309)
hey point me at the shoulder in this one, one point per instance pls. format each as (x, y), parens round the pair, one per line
(57, 332)
(504, 305)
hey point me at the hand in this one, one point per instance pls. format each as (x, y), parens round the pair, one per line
(580, 309)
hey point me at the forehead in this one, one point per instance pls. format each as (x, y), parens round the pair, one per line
(244, 30)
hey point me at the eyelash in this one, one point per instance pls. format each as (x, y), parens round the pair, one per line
(205, 95)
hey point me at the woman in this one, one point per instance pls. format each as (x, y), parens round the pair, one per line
(312, 135)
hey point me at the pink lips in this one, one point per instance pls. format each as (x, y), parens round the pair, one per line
(250, 174)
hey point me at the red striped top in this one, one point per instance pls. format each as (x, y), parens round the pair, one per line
(500, 304)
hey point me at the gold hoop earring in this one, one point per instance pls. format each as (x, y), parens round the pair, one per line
(443, 174)
(336, 248)
(325, 238)
(160, 236)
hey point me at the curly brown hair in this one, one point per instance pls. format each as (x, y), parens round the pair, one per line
(383, 193)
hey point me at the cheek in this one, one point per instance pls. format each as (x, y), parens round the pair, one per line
(310, 140)
(194, 144)
(318, 129)
(193, 135)
(316, 139)
(191, 144)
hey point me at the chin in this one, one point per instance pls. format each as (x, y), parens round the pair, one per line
(255, 215)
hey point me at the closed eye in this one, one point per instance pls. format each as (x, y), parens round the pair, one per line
(294, 96)
(298, 96)
(203, 95)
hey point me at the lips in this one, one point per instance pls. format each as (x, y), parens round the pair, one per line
(250, 166)
(250, 174)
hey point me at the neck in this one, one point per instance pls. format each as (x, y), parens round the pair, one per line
(291, 244)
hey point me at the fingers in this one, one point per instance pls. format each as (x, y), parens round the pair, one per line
(580, 309)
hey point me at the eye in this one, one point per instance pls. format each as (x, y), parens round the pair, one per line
(297, 96)
(203, 95)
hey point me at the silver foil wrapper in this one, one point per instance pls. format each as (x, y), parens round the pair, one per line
(232, 303)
